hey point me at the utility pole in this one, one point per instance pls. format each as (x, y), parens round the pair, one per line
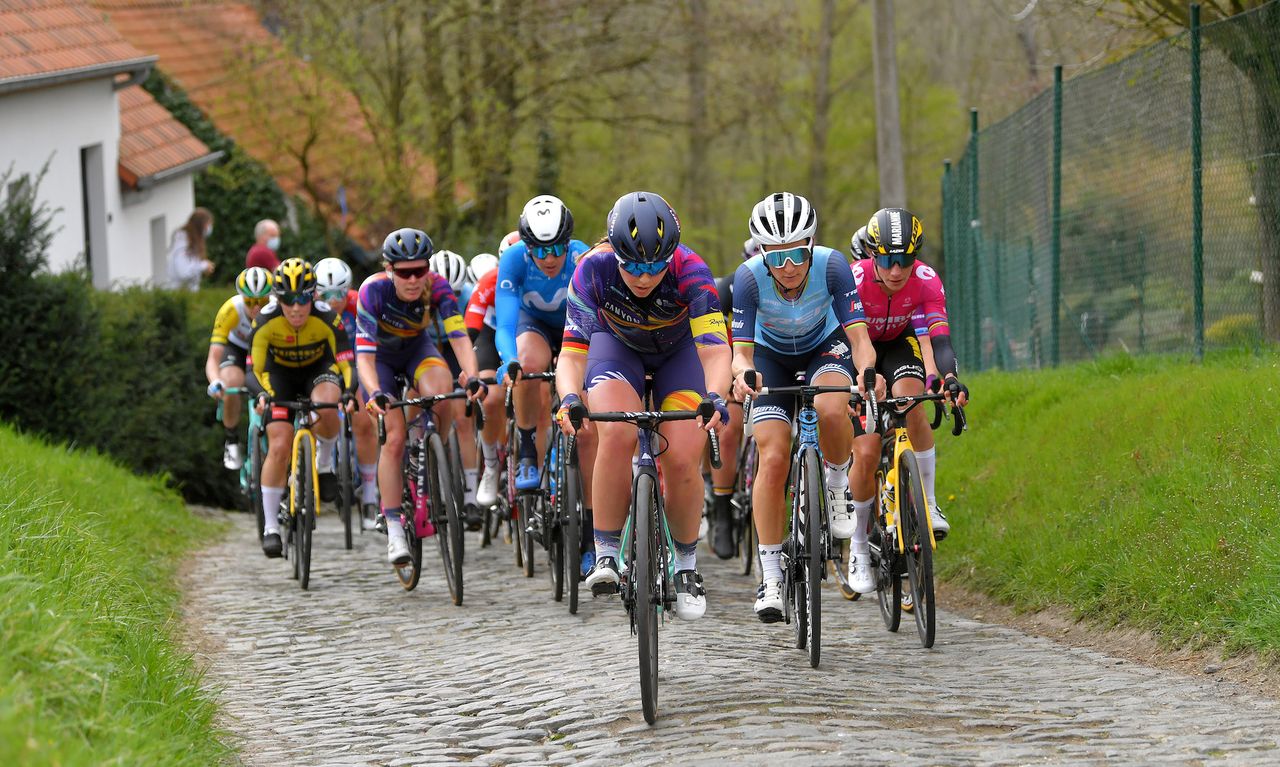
(893, 183)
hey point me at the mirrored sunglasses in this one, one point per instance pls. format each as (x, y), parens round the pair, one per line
(255, 303)
(411, 273)
(548, 251)
(777, 258)
(296, 299)
(641, 268)
(904, 260)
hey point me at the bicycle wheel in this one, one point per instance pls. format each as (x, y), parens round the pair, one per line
(446, 516)
(410, 573)
(305, 511)
(457, 474)
(572, 533)
(554, 512)
(346, 479)
(919, 549)
(812, 561)
(884, 561)
(255, 476)
(648, 595)
(794, 581)
(515, 517)
(747, 540)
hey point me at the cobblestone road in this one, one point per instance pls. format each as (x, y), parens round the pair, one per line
(356, 671)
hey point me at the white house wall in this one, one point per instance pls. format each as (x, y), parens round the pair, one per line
(131, 261)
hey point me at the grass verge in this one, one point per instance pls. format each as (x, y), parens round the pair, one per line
(90, 669)
(1140, 492)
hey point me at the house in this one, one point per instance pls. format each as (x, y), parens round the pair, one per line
(119, 167)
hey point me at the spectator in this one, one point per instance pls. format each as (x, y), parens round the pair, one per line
(266, 235)
(187, 260)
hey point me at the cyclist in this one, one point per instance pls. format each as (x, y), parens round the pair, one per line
(858, 245)
(641, 302)
(333, 287)
(482, 327)
(228, 350)
(901, 296)
(297, 349)
(795, 309)
(395, 308)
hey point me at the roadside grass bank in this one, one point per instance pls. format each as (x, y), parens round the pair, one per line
(1141, 492)
(91, 671)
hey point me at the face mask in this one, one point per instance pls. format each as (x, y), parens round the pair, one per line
(273, 243)
(208, 230)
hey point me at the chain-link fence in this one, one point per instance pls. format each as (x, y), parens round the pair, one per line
(1070, 227)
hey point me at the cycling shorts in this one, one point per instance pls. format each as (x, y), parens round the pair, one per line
(899, 358)
(411, 362)
(530, 324)
(678, 380)
(297, 383)
(832, 354)
(486, 346)
(233, 356)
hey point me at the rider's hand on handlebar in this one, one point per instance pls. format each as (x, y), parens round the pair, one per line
(572, 414)
(510, 373)
(215, 389)
(740, 386)
(475, 389)
(957, 393)
(721, 417)
(348, 400)
(260, 404)
(377, 403)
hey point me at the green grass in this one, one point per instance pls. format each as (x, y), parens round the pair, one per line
(1134, 491)
(90, 671)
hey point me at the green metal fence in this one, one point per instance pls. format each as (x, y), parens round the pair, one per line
(1134, 208)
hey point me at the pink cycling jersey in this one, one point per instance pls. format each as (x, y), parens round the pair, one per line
(920, 305)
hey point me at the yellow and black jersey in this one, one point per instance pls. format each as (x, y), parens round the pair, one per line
(275, 344)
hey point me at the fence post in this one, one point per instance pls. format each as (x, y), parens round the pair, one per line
(1055, 244)
(1142, 294)
(975, 252)
(1197, 202)
(1033, 342)
(950, 249)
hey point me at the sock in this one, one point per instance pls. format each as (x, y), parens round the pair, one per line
(470, 475)
(527, 447)
(587, 529)
(722, 492)
(231, 434)
(608, 543)
(324, 454)
(837, 475)
(686, 555)
(394, 528)
(928, 463)
(490, 451)
(368, 483)
(392, 514)
(770, 562)
(862, 515)
(271, 509)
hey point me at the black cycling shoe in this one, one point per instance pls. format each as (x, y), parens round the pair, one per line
(328, 487)
(271, 546)
(475, 520)
(604, 577)
(722, 529)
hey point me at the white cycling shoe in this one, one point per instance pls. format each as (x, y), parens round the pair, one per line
(769, 601)
(487, 488)
(691, 597)
(840, 511)
(397, 547)
(232, 459)
(938, 522)
(861, 579)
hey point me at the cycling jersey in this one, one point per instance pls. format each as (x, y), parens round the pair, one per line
(384, 322)
(463, 298)
(275, 345)
(682, 308)
(920, 305)
(348, 315)
(480, 308)
(828, 302)
(522, 287)
(232, 325)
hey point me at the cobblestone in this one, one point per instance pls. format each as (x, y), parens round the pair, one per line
(358, 672)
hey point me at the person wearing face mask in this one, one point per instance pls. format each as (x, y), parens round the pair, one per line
(266, 243)
(187, 259)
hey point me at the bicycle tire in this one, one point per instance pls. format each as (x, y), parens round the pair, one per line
(527, 504)
(884, 560)
(255, 477)
(446, 516)
(919, 548)
(647, 594)
(346, 480)
(795, 584)
(515, 520)
(304, 512)
(572, 493)
(747, 539)
(457, 474)
(410, 574)
(812, 562)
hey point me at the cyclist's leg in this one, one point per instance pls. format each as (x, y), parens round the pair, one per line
(530, 396)
(494, 418)
(278, 424)
(831, 365)
(722, 482)
(326, 388)
(908, 380)
(231, 371)
(391, 454)
(364, 433)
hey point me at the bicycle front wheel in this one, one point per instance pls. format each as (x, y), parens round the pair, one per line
(812, 561)
(346, 479)
(446, 516)
(255, 477)
(919, 548)
(572, 534)
(746, 527)
(305, 510)
(796, 580)
(648, 592)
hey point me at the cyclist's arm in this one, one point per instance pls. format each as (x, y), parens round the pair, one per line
(367, 369)
(506, 301)
(342, 351)
(226, 321)
(935, 319)
(258, 378)
(746, 301)
(848, 308)
(213, 362)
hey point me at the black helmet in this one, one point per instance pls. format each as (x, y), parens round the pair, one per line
(858, 245)
(406, 245)
(894, 231)
(545, 221)
(643, 227)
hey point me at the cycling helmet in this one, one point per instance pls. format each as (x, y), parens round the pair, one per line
(894, 231)
(481, 264)
(254, 282)
(643, 227)
(332, 276)
(406, 245)
(545, 221)
(293, 275)
(858, 245)
(451, 266)
(749, 249)
(511, 239)
(781, 218)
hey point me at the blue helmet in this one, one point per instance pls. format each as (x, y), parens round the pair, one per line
(406, 245)
(643, 227)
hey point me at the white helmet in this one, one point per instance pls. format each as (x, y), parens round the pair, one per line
(332, 276)
(781, 218)
(545, 221)
(511, 239)
(451, 266)
(481, 264)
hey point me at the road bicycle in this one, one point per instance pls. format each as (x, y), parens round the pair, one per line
(522, 504)
(808, 545)
(647, 584)
(298, 520)
(250, 474)
(348, 473)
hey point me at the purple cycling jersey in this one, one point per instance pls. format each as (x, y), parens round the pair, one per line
(385, 322)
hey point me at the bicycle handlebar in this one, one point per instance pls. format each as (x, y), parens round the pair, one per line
(654, 417)
(425, 402)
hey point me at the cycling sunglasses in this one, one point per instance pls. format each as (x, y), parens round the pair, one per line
(905, 260)
(297, 298)
(797, 256)
(255, 303)
(411, 273)
(641, 268)
(549, 251)
(333, 295)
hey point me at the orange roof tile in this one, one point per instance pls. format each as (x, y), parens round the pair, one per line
(151, 140)
(44, 37)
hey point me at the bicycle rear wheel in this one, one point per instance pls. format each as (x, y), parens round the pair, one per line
(812, 561)
(515, 515)
(410, 573)
(255, 476)
(648, 594)
(446, 516)
(887, 567)
(346, 479)
(572, 533)
(919, 549)
(745, 524)
(304, 511)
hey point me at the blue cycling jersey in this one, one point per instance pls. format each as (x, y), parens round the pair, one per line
(794, 326)
(522, 286)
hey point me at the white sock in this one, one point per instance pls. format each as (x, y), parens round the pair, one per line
(324, 454)
(490, 451)
(837, 475)
(470, 476)
(368, 483)
(862, 515)
(927, 460)
(270, 509)
(394, 528)
(770, 562)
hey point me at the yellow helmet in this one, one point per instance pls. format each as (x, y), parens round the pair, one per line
(294, 275)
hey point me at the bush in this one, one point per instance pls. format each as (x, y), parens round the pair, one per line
(1236, 330)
